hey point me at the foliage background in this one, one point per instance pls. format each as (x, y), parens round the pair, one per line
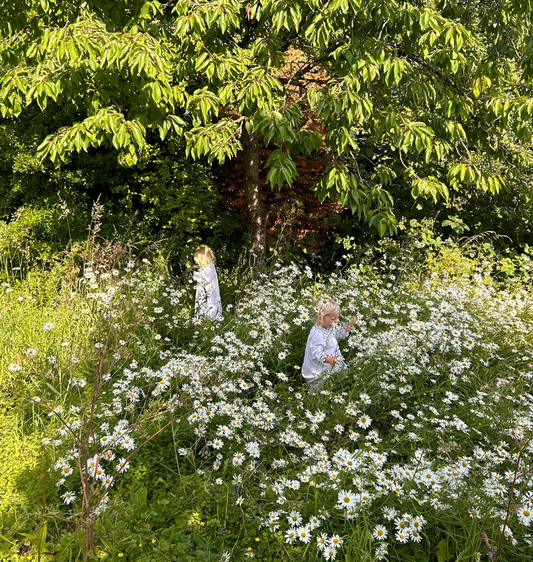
(157, 202)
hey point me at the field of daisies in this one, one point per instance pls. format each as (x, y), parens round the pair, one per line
(132, 430)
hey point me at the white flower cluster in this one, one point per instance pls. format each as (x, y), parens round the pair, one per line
(432, 414)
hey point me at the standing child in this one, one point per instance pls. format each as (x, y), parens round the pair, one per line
(207, 291)
(322, 353)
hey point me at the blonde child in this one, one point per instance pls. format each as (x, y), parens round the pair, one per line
(207, 291)
(322, 353)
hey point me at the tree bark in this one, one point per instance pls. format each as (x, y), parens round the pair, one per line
(258, 217)
(89, 533)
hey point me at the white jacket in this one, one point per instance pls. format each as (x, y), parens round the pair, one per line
(208, 301)
(320, 343)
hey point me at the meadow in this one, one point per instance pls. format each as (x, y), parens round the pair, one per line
(132, 430)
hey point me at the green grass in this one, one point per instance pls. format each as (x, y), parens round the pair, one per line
(440, 359)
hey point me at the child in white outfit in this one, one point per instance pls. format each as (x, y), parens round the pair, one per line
(322, 353)
(208, 301)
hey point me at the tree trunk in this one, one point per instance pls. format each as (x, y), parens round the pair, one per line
(89, 533)
(258, 216)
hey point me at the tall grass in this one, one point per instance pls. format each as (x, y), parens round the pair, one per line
(419, 449)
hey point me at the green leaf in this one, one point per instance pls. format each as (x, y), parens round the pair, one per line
(443, 553)
(282, 168)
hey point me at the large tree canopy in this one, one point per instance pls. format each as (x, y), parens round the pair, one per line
(428, 95)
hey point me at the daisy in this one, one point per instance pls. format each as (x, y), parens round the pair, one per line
(389, 513)
(290, 536)
(364, 421)
(322, 541)
(525, 514)
(304, 533)
(122, 465)
(379, 533)
(402, 536)
(68, 497)
(346, 500)
(294, 518)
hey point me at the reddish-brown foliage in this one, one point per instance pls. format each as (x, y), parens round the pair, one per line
(294, 213)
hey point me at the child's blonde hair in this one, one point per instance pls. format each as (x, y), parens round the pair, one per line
(203, 256)
(324, 307)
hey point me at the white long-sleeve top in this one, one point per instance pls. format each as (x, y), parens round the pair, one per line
(321, 343)
(208, 301)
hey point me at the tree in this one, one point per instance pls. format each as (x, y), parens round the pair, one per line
(428, 95)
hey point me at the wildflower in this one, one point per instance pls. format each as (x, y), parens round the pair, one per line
(364, 421)
(304, 533)
(346, 500)
(238, 459)
(66, 470)
(381, 551)
(128, 443)
(239, 500)
(273, 516)
(290, 536)
(253, 449)
(389, 513)
(351, 513)
(48, 326)
(322, 541)
(13, 367)
(417, 523)
(68, 497)
(330, 553)
(402, 536)
(379, 533)
(294, 518)
(525, 514)
(122, 465)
